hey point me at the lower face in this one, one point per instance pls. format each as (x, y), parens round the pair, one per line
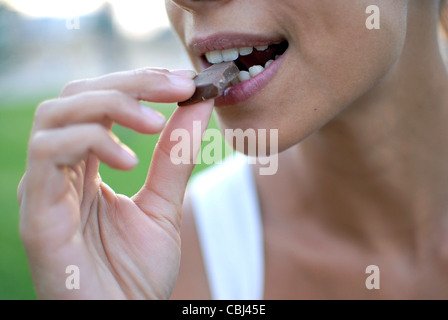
(320, 57)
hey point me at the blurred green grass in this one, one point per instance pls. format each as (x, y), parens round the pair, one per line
(15, 125)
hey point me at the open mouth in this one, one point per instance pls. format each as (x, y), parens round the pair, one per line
(250, 60)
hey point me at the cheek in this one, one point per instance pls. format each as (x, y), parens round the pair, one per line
(182, 23)
(334, 59)
(343, 59)
(176, 17)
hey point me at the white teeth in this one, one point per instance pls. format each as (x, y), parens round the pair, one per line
(243, 76)
(235, 81)
(261, 48)
(245, 51)
(268, 63)
(230, 54)
(214, 56)
(254, 70)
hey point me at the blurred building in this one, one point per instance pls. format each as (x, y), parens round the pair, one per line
(39, 55)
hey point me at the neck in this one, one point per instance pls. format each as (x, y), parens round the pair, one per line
(377, 172)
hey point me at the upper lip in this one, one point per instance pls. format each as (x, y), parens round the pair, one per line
(199, 45)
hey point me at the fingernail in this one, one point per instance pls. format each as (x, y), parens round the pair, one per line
(180, 81)
(184, 73)
(153, 115)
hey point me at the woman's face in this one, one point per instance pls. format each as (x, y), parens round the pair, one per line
(331, 59)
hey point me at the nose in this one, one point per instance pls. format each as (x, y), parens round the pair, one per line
(195, 5)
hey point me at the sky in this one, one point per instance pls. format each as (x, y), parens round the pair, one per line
(135, 18)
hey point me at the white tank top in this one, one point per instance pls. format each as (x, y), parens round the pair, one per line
(229, 227)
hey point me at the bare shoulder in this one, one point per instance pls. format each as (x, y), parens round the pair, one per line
(192, 280)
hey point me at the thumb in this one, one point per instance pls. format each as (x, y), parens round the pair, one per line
(173, 162)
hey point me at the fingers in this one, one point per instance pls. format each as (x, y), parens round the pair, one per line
(104, 107)
(154, 85)
(53, 175)
(167, 180)
(69, 129)
(115, 98)
(69, 145)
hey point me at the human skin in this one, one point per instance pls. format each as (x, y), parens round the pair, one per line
(124, 247)
(362, 120)
(332, 58)
(365, 187)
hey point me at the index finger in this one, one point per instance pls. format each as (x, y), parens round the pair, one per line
(149, 84)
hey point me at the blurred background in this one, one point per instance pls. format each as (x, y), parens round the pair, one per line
(43, 45)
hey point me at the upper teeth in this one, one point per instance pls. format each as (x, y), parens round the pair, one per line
(219, 56)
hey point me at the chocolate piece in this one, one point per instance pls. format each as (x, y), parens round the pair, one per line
(211, 82)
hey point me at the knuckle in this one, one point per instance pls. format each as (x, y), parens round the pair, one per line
(118, 97)
(97, 129)
(43, 109)
(95, 132)
(115, 94)
(73, 87)
(38, 146)
(109, 101)
(153, 83)
(150, 77)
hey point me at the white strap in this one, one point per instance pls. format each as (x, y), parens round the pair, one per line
(229, 227)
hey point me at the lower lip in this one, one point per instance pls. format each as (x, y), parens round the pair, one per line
(249, 88)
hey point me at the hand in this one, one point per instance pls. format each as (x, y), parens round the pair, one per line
(124, 247)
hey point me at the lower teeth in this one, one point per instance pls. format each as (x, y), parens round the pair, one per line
(253, 72)
(243, 76)
(268, 63)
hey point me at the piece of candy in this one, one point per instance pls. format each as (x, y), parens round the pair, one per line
(212, 82)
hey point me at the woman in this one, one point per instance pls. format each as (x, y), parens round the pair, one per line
(361, 118)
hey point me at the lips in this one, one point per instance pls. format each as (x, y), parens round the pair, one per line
(258, 59)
